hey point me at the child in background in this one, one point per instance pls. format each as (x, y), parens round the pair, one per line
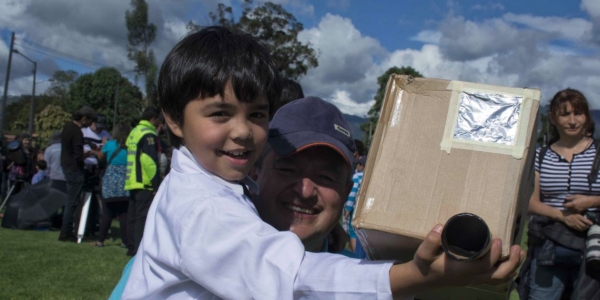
(203, 237)
(40, 169)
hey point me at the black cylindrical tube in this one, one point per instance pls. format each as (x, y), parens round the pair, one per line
(466, 236)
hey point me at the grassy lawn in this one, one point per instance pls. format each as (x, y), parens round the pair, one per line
(35, 265)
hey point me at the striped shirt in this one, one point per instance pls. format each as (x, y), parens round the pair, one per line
(357, 179)
(560, 178)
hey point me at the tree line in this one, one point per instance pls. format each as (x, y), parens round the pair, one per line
(113, 95)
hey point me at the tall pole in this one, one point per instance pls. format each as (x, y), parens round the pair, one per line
(7, 78)
(32, 103)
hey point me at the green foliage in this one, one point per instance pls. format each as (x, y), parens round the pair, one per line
(98, 90)
(276, 29)
(17, 113)
(140, 34)
(375, 110)
(50, 119)
(61, 82)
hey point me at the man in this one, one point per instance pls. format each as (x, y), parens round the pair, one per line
(99, 127)
(52, 158)
(71, 160)
(143, 175)
(304, 175)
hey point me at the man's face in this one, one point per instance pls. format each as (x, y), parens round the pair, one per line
(304, 192)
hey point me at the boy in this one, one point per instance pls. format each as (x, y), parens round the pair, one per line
(203, 238)
(40, 168)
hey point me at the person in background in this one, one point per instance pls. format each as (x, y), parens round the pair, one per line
(72, 162)
(351, 202)
(561, 196)
(40, 167)
(143, 174)
(99, 127)
(291, 90)
(52, 158)
(20, 163)
(115, 199)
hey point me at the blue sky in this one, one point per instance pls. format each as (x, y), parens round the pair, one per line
(510, 43)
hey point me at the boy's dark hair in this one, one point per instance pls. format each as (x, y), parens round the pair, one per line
(291, 91)
(150, 112)
(41, 164)
(203, 62)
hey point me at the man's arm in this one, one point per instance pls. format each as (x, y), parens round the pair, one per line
(78, 155)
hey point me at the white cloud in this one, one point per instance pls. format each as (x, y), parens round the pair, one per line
(592, 7)
(572, 29)
(344, 102)
(428, 37)
(346, 61)
(488, 6)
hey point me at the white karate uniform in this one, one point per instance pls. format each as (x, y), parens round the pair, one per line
(204, 240)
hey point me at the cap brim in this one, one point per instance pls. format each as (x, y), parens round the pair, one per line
(290, 143)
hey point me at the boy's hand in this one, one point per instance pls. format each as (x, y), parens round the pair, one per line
(431, 268)
(433, 263)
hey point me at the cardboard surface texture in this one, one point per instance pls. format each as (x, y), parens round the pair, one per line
(418, 176)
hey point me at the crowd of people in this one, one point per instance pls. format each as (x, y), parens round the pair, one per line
(253, 193)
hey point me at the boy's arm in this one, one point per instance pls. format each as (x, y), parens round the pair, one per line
(431, 268)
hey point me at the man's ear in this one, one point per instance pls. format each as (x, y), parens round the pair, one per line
(173, 126)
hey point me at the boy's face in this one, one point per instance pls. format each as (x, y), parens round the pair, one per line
(226, 136)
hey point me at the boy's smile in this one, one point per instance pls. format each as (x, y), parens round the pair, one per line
(225, 136)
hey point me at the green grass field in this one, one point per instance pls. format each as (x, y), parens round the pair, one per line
(35, 265)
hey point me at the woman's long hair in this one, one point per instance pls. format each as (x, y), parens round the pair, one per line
(120, 133)
(579, 104)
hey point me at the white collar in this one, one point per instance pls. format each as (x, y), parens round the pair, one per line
(184, 161)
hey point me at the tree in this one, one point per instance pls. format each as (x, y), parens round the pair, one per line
(276, 29)
(17, 113)
(98, 90)
(140, 34)
(61, 82)
(375, 110)
(50, 119)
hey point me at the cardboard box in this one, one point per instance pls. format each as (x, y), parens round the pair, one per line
(421, 170)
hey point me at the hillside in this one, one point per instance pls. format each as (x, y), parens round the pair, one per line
(355, 122)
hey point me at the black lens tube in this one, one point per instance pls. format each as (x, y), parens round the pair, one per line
(466, 237)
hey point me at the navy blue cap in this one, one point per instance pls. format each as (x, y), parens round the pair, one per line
(308, 122)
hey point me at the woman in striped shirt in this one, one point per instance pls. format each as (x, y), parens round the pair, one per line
(562, 192)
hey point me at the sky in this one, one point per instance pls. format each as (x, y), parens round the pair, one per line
(511, 43)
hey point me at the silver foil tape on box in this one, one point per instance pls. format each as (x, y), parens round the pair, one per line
(488, 117)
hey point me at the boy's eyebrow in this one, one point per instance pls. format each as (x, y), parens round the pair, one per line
(219, 105)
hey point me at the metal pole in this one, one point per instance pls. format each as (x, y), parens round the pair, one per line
(32, 104)
(4, 98)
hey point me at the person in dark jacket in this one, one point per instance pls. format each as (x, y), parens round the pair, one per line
(71, 161)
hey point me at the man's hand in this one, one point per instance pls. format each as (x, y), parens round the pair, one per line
(580, 203)
(431, 268)
(576, 221)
